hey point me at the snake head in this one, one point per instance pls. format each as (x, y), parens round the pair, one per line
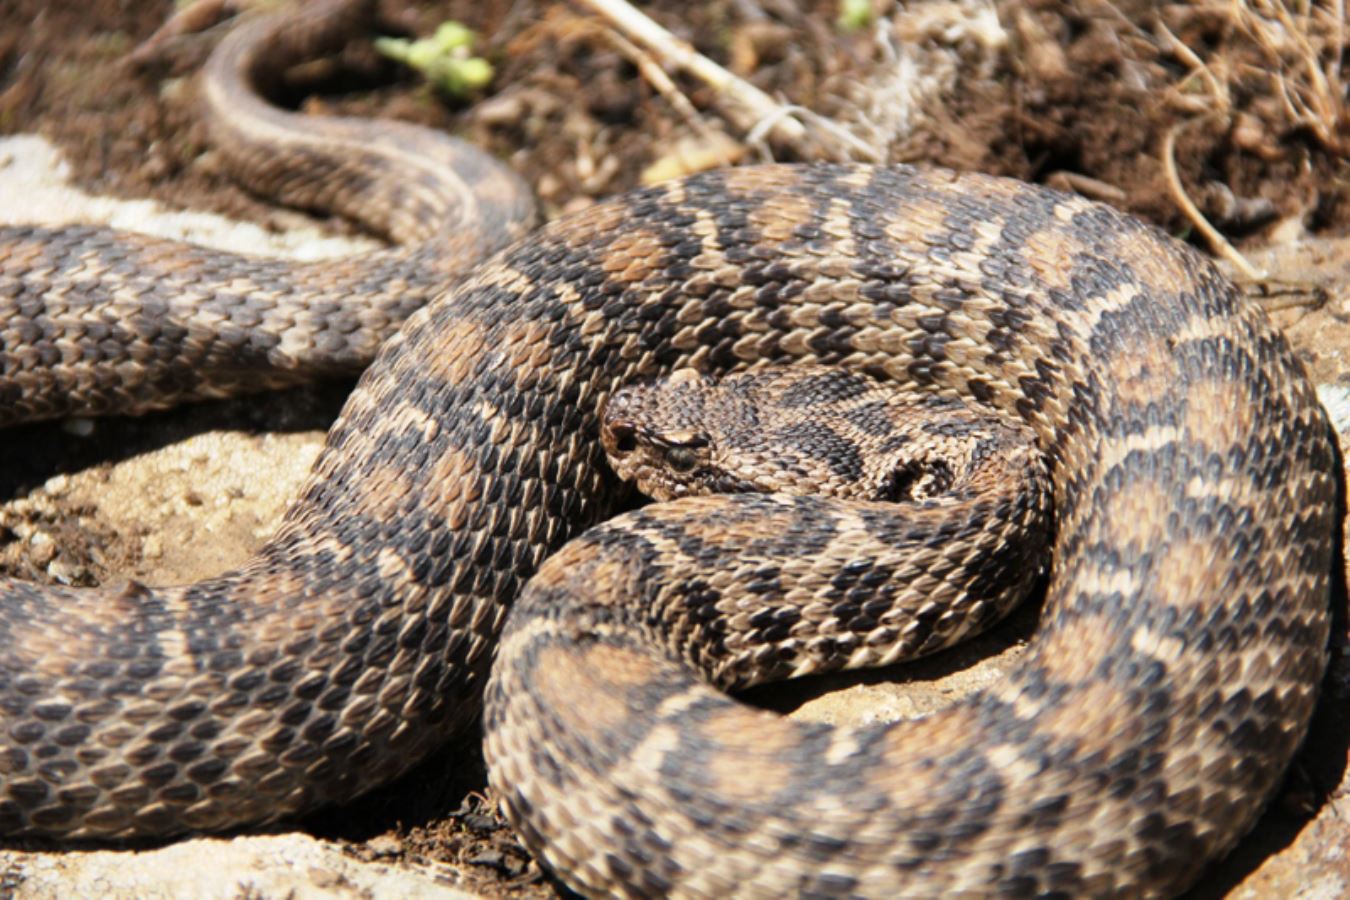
(653, 436)
(648, 443)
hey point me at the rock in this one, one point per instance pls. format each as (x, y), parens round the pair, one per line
(286, 865)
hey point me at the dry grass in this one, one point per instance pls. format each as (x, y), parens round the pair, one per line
(1277, 59)
(1303, 44)
(917, 63)
(1273, 70)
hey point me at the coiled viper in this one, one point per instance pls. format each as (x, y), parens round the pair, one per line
(1172, 678)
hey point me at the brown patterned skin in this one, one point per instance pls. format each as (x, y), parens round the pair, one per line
(1182, 643)
(1184, 632)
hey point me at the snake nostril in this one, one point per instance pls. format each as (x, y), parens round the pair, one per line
(623, 436)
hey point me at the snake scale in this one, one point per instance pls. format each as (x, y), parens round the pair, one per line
(1171, 679)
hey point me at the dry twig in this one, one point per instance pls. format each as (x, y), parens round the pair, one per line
(1218, 243)
(746, 106)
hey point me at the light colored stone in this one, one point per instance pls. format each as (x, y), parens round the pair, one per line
(292, 866)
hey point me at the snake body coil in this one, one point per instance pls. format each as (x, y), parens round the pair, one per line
(1173, 676)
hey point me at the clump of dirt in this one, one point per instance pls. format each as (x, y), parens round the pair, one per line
(441, 812)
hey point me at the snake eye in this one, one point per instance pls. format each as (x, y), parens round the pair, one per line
(682, 459)
(682, 449)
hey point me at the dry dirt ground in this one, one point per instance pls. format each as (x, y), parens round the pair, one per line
(1080, 95)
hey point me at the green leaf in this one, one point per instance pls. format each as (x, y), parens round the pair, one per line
(445, 59)
(854, 15)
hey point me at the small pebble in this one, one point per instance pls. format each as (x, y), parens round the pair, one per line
(384, 845)
(323, 878)
(78, 427)
(1336, 399)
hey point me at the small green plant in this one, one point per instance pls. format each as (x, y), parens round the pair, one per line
(446, 59)
(854, 15)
